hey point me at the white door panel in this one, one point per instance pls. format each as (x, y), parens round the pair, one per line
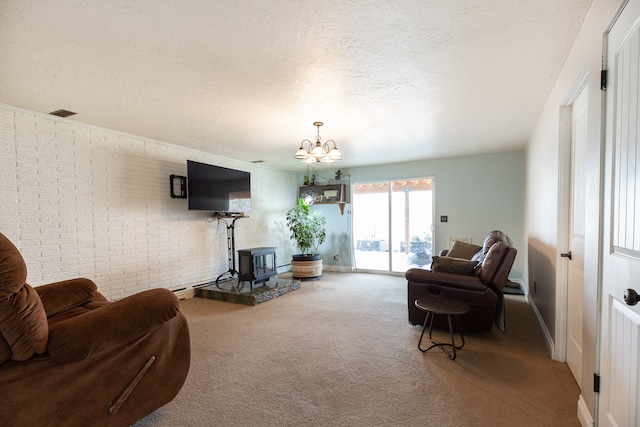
(622, 365)
(575, 279)
(619, 347)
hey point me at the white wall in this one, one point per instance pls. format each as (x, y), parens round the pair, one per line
(542, 181)
(79, 200)
(477, 193)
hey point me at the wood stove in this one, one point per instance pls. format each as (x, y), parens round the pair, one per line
(256, 265)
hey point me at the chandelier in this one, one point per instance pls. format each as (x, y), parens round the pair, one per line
(318, 152)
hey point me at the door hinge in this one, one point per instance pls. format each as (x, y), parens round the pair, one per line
(596, 383)
(603, 80)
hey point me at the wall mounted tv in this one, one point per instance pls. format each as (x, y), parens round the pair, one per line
(218, 189)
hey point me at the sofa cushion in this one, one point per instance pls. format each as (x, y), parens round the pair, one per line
(447, 264)
(114, 325)
(65, 295)
(491, 238)
(492, 261)
(13, 270)
(23, 322)
(464, 250)
(5, 350)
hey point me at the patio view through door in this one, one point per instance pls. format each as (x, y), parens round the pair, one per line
(392, 224)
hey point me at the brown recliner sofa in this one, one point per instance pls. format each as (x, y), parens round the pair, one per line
(69, 357)
(469, 273)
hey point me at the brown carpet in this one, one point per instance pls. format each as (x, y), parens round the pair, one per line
(340, 352)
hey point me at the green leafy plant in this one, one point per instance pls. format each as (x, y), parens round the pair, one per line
(306, 227)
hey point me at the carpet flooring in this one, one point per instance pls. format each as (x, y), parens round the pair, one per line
(340, 352)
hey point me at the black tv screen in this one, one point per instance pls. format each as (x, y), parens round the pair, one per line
(218, 189)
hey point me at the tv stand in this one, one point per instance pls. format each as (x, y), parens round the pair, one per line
(231, 245)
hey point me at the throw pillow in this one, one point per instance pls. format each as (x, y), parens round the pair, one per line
(464, 250)
(447, 264)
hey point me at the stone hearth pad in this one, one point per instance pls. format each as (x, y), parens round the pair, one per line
(228, 291)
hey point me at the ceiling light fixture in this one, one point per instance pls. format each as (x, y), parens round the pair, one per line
(318, 152)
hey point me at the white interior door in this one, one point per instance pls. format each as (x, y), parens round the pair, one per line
(620, 323)
(575, 277)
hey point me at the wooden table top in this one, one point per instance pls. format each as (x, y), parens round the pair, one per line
(442, 305)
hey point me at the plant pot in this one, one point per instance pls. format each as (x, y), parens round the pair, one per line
(306, 267)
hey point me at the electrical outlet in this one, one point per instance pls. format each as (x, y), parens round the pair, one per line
(444, 218)
(336, 256)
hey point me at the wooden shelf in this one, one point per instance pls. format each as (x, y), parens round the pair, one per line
(329, 194)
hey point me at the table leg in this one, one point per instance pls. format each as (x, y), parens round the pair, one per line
(452, 354)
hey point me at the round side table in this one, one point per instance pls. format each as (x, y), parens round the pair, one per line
(442, 306)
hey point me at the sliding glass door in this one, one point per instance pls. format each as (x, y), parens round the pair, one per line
(392, 224)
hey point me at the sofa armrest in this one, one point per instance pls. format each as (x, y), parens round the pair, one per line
(457, 281)
(111, 326)
(61, 296)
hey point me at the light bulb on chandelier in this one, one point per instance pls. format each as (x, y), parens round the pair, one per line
(318, 152)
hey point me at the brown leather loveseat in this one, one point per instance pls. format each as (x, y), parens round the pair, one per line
(469, 273)
(69, 357)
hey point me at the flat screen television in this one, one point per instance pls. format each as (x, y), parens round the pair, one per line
(218, 189)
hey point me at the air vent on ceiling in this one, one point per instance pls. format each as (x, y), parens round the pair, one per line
(257, 161)
(63, 113)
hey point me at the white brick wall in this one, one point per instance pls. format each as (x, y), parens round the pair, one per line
(78, 200)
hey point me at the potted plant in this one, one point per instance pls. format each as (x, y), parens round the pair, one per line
(308, 232)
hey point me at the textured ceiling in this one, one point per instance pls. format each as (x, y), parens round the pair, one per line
(391, 80)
